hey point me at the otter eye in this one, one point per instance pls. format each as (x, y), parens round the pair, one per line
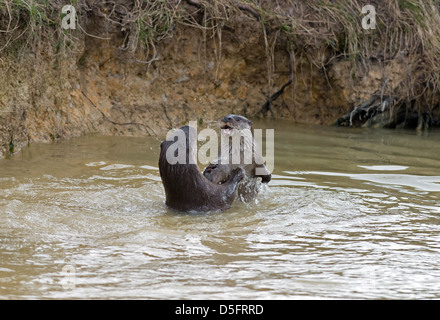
(238, 119)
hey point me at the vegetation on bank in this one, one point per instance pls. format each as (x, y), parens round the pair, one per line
(406, 31)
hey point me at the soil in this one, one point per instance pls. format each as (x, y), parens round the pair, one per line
(47, 95)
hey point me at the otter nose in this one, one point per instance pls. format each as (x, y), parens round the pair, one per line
(227, 118)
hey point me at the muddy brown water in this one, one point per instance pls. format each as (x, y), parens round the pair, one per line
(350, 213)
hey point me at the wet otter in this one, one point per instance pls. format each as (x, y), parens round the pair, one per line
(186, 188)
(219, 171)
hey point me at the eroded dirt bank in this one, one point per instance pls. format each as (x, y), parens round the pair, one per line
(107, 76)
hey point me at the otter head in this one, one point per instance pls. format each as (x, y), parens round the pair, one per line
(233, 122)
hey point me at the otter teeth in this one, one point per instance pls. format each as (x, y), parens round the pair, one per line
(227, 130)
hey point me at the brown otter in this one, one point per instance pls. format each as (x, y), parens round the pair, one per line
(219, 171)
(186, 188)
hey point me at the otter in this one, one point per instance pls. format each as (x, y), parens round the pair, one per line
(186, 189)
(220, 170)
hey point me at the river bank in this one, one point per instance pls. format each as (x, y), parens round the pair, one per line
(132, 68)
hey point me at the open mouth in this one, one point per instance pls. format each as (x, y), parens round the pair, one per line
(226, 129)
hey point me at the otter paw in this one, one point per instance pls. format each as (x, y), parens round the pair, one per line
(237, 174)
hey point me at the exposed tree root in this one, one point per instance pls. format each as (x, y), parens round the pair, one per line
(267, 106)
(387, 112)
(360, 110)
(366, 111)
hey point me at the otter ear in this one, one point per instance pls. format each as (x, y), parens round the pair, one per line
(250, 123)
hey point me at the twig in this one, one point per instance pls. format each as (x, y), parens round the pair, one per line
(194, 3)
(268, 104)
(240, 6)
(246, 8)
(368, 109)
(91, 35)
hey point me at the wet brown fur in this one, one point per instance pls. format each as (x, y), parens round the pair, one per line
(187, 189)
